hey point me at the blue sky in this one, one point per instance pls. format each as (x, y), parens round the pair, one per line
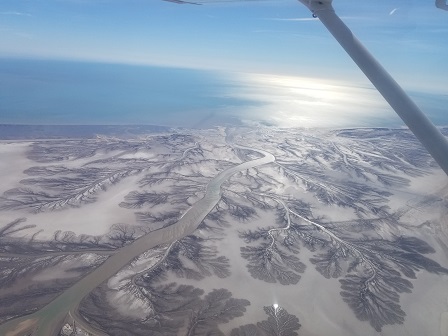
(274, 48)
(408, 36)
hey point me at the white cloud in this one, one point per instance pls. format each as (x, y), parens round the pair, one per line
(393, 11)
(15, 13)
(307, 19)
(294, 19)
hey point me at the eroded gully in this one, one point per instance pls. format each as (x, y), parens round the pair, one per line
(49, 320)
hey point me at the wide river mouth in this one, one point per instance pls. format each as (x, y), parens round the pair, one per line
(49, 320)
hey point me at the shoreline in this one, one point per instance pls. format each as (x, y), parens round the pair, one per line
(91, 132)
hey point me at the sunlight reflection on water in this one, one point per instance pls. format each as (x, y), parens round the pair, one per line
(62, 92)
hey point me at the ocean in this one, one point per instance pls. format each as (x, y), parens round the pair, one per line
(82, 93)
(48, 92)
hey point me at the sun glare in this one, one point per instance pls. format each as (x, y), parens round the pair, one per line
(288, 101)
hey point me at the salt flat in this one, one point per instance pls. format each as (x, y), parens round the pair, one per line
(344, 233)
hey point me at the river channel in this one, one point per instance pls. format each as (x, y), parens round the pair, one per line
(49, 320)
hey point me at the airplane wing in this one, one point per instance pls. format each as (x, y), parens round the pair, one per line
(442, 4)
(204, 2)
(180, 2)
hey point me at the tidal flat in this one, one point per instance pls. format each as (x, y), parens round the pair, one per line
(308, 232)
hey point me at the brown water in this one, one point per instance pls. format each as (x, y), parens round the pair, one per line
(49, 320)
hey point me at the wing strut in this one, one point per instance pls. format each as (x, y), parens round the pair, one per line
(442, 4)
(428, 134)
